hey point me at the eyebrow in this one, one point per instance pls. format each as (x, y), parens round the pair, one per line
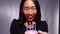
(34, 6)
(28, 7)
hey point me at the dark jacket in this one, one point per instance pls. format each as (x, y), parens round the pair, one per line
(17, 28)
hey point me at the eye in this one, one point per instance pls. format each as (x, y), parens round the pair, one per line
(34, 8)
(25, 8)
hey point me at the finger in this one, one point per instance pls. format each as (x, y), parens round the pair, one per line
(31, 32)
(41, 32)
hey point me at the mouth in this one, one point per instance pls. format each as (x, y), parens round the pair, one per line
(30, 18)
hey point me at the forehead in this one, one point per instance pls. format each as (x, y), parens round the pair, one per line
(29, 3)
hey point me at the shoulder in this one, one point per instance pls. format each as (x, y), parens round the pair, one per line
(16, 23)
(14, 20)
(42, 23)
(16, 26)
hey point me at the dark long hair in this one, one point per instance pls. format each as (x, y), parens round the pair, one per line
(21, 15)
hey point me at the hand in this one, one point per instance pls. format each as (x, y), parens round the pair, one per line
(41, 32)
(31, 32)
(35, 32)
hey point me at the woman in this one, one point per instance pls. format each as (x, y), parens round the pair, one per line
(29, 19)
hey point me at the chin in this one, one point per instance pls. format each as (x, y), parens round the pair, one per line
(30, 20)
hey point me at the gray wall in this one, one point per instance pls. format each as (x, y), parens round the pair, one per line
(9, 9)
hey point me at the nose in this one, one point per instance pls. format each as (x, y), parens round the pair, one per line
(30, 12)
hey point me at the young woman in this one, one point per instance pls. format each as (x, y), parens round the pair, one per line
(29, 19)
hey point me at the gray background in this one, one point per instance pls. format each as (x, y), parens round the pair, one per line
(9, 9)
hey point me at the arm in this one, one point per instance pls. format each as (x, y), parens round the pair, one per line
(42, 25)
(13, 28)
(43, 28)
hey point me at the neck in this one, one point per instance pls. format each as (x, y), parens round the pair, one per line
(29, 24)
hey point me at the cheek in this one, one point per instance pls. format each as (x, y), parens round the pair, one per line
(25, 12)
(35, 12)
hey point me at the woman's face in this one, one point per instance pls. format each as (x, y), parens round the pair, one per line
(29, 10)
